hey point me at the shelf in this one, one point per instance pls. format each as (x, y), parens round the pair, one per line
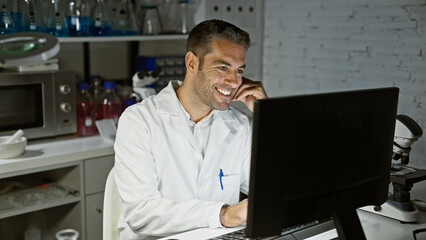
(11, 209)
(122, 38)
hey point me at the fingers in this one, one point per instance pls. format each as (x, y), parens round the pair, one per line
(250, 88)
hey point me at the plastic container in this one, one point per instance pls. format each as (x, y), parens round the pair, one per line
(110, 104)
(85, 111)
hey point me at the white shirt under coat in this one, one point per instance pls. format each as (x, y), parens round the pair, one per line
(167, 167)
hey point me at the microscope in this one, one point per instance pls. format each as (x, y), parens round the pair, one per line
(399, 205)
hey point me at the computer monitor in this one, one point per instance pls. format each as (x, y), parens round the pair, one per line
(320, 156)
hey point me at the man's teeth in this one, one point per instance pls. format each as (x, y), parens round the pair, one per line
(224, 92)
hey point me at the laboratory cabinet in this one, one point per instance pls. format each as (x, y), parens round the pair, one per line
(56, 184)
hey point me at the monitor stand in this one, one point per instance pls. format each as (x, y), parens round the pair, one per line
(399, 205)
(346, 218)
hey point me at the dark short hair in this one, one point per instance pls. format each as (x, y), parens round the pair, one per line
(201, 36)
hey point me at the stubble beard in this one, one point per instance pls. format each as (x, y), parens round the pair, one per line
(206, 93)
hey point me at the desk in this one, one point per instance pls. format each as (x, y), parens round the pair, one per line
(375, 228)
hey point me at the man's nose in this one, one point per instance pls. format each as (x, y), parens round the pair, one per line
(233, 79)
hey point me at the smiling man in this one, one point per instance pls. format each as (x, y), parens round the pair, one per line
(183, 156)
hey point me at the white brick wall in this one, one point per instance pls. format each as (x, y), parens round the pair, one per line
(329, 45)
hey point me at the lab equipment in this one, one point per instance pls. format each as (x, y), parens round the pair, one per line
(7, 25)
(110, 105)
(31, 17)
(12, 149)
(15, 8)
(399, 204)
(85, 111)
(67, 234)
(15, 137)
(100, 19)
(96, 91)
(77, 15)
(124, 21)
(54, 21)
(337, 159)
(150, 19)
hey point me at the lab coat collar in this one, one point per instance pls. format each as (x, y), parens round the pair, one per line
(168, 103)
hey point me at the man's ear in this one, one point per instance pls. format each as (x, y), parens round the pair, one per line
(191, 62)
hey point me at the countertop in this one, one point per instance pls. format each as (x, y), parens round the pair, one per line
(46, 152)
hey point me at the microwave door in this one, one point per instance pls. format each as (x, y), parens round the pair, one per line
(24, 106)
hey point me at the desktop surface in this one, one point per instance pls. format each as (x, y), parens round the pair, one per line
(375, 227)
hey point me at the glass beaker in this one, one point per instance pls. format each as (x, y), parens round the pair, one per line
(67, 234)
(31, 21)
(124, 20)
(54, 21)
(7, 24)
(100, 19)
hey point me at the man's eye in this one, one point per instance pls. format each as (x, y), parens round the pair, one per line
(240, 71)
(222, 68)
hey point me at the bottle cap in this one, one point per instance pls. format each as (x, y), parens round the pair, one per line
(129, 101)
(109, 84)
(83, 85)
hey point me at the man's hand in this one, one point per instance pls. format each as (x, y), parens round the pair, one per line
(249, 91)
(231, 216)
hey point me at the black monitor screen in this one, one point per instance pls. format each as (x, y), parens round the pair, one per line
(319, 156)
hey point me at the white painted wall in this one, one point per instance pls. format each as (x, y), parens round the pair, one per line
(314, 46)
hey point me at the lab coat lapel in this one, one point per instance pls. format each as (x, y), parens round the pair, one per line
(169, 105)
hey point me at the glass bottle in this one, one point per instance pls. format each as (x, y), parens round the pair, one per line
(124, 20)
(55, 19)
(77, 15)
(85, 111)
(7, 24)
(110, 103)
(100, 19)
(96, 91)
(31, 21)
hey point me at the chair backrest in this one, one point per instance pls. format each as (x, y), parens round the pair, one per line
(111, 211)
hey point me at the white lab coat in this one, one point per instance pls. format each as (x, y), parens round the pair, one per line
(165, 184)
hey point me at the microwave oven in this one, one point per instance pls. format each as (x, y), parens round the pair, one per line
(42, 104)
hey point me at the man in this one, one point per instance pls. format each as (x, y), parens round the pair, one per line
(183, 156)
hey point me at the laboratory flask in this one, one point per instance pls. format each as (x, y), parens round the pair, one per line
(149, 21)
(124, 19)
(54, 21)
(7, 24)
(31, 17)
(85, 111)
(100, 19)
(77, 15)
(15, 9)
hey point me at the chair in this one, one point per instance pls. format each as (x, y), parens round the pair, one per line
(111, 211)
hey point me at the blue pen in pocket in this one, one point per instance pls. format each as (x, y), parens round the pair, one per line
(220, 178)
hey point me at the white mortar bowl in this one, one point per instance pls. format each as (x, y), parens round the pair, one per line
(10, 150)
